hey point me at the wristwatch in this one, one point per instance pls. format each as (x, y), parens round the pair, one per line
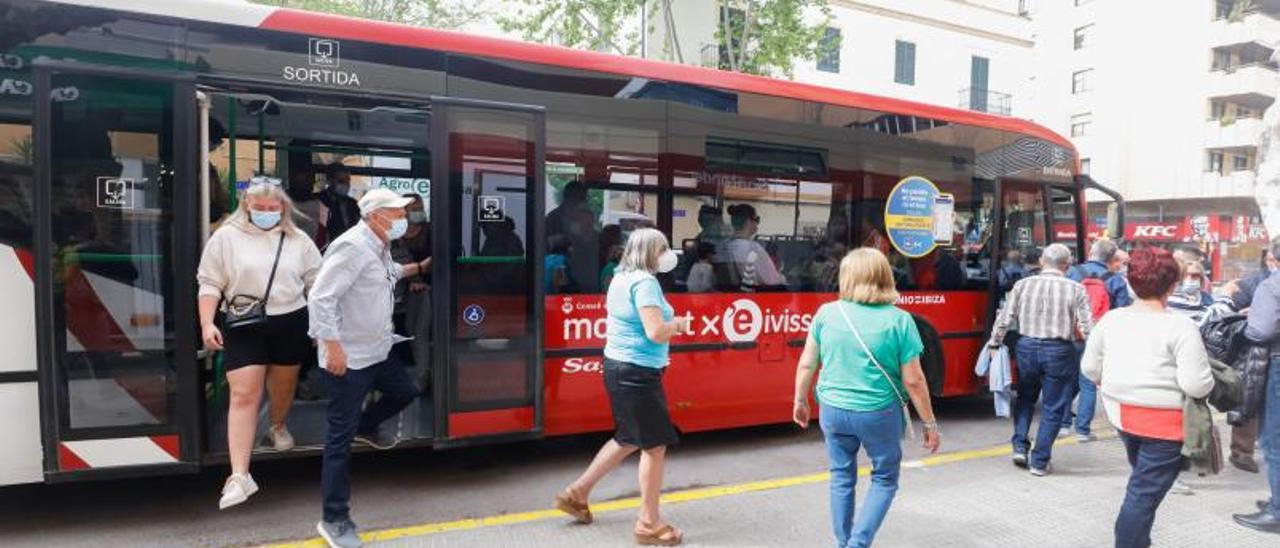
(931, 425)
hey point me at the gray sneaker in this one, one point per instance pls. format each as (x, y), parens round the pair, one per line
(1041, 472)
(1020, 460)
(383, 438)
(339, 534)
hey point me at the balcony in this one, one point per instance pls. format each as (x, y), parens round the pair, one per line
(1243, 132)
(1245, 84)
(1235, 184)
(985, 100)
(1254, 27)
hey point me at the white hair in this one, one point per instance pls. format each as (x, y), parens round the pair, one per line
(643, 248)
(1056, 256)
(1103, 250)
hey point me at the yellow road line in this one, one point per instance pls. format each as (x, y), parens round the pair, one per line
(674, 497)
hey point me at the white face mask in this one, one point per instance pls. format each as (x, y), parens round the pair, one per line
(667, 261)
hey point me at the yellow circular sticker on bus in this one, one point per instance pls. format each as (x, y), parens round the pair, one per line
(909, 216)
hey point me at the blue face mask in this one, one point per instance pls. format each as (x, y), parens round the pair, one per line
(397, 229)
(265, 220)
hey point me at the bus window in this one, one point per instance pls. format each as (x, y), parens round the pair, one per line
(1064, 218)
(586, 229)
(1023, 233)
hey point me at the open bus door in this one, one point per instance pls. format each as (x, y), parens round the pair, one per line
(488, 222)
(115, 240)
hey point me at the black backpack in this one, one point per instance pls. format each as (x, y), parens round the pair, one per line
(1224, 338)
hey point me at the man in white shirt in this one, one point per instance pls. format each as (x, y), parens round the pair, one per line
(350, 314)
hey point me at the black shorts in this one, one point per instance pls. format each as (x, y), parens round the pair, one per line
(639, 405)
(282, 340)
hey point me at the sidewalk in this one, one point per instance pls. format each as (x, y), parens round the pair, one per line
(975, 501)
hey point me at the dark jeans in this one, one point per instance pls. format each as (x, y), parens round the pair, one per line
(346, 396)
(1155, 465)
(1047, 369)
(1269, 433)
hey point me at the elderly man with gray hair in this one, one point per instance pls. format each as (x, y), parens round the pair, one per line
(1050, 312)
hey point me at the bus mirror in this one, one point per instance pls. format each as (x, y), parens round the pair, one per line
(1114, 230)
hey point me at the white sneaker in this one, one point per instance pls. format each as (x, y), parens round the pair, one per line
(1181, 488)
(239, 488)
(281, 439)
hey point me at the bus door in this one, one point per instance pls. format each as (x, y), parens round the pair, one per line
(488, 225)
(115, 297)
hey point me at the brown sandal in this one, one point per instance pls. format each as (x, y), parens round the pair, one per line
(580, 511)
(664, 536)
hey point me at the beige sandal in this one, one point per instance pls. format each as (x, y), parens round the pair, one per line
(664, 536)
(580, 511)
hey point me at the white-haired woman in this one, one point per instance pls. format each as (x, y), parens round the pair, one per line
(640, 327)
(258, 254)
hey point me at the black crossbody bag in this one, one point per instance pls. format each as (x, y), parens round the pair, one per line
(245, 311)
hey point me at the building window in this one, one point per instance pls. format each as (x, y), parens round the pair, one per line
(1080, 124)
(1085, 166)
(979, 75)
(1024, 7)
(1217, 110)
(1240, 163)
(904, 63)
(1081, 81)
(829, 50)
(1221, 59)
(1215, 162)
(1244, 112)
(1222, 9)
(1083, 2)
(1082, 36)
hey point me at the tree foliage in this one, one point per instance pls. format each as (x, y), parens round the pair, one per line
(602, 25)
(754, 36)
(442, 14)
(768, 36)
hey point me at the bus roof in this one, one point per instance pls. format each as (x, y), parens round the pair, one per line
(349, 28)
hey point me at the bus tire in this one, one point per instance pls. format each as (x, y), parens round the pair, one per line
(932, 360)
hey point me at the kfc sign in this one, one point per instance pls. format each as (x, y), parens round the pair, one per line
(1160, 232)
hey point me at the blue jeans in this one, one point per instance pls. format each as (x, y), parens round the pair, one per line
(1269, 433)
(1047, 370)
(1155, 465)
(1086, 406)
(346, 396)
(880, 433)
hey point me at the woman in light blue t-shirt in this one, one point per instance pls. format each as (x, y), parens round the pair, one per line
(640, 326)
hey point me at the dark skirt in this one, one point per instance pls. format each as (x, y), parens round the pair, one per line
(639, 405)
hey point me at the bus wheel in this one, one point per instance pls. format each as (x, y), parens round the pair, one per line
(931, 360)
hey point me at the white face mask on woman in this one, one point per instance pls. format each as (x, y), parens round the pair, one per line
(667, 261)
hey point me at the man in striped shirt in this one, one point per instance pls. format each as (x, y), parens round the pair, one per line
(1050, 312)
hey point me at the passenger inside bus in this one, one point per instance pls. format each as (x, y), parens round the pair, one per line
(749, 261)
(574, 220)
(307, 203)
(701, 274)
(556, 276)
(343, 213)
(413, 293)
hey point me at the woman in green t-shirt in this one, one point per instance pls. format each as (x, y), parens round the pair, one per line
(869, 350)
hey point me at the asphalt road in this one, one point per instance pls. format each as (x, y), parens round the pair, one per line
(736, 482)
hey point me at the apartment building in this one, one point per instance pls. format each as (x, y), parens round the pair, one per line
(969, 54)
(1168, 112)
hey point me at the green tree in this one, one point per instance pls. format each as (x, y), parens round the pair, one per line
(442, 14)
(754, 36)
(601, 25)
(767, 36)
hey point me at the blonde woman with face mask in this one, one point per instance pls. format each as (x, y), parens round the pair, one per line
(258, 255)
